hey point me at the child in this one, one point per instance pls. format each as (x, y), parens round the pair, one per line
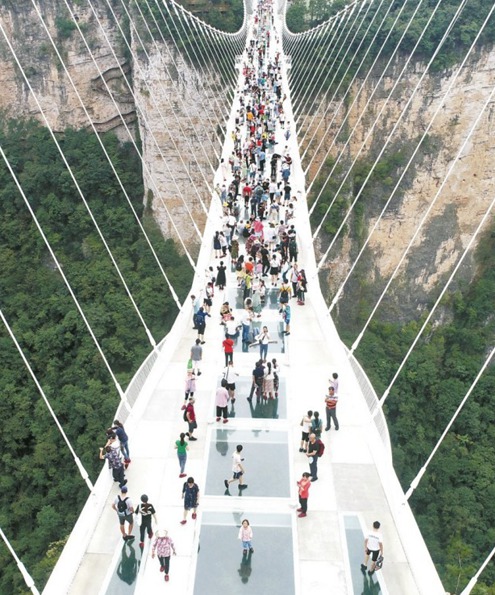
(164, 546)
(246, 535)
(303, 484)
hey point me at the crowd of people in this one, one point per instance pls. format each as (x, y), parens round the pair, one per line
(256, 252)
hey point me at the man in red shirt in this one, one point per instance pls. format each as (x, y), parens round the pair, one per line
(303, 484)
(228, 349)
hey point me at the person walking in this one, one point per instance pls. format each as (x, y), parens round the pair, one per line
(147, 512)
(303, 486)
(163, 547)
(228, 349)
(201, 324)
(125, 510)
(190, 495)
(305, 425)
(190, 417)
(221, 276)
(373, 546)
(221, 401)
(237, 469)
(182, 448)
(196, 356)
(189, 386)
(314, 452)
(246, 537)
(331, 409)
(229, 375)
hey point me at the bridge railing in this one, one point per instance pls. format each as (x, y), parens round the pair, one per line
(371, 399)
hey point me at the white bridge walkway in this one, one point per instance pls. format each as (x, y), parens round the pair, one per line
(357, 484)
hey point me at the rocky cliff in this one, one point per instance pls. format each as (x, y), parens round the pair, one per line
(461, 201)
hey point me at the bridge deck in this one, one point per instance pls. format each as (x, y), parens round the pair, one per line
(356, 484)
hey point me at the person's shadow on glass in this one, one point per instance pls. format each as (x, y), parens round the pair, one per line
(370, 587)
(128, 567)
(245, 568)
(221, 444)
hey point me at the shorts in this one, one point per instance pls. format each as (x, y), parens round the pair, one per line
(305, 436)
(207, 302)
(373, 553)
(192, 426)
(231, 386)
(237, 474)
(127, 517)
(274, 271)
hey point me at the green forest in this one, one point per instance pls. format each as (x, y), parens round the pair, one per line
(41, 490)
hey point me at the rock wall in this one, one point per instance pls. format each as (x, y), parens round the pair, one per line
(461, 202)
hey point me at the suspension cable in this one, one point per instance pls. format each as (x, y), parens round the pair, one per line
(362, 112)
(117, 176)
(411, 159)
(60, 269)
(370, 45)
(28, 579)
(417, 479)
(470, 586)
(133, 142)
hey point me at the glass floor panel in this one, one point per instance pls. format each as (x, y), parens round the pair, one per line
(266, 457)
(269, 409)
(275, 329)
(123, 580)
(223, 568)
(236, 300)
(362, 584)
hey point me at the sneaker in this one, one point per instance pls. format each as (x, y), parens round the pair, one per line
(225, 421)
(301, 515)
(363, 568)
(232, 400)
(218, 419)
(183, 475)
(194, 515)
(251, 550)
(301, 450)
(243, 486)
(162, 568)
(123, 483)
(202, 343)
(141, 544)
(314, 479)
(129, 537)
(192, 438)
(199, 373)
(326, 429)
(183, 522)
(370, 572)
(226, 483)
(244, 551)
(299, 510)
(166, 578)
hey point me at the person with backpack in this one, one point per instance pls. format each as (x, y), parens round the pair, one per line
(316, 448)
(284, 293)
(200, 323)
(147, 512)
(125, 510)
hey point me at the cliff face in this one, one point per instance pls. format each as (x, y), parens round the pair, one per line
(89, 72)
(459, 204)
(173, 109)
(136, 87)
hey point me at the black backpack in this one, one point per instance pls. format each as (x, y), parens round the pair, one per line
(184, 417)
(284, 295)
(122, 505)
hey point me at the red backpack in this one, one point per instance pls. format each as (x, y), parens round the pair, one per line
(321, 448)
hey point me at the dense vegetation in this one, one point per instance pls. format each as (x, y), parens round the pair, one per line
(455, 501)
(319, 52)
(41, 491)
